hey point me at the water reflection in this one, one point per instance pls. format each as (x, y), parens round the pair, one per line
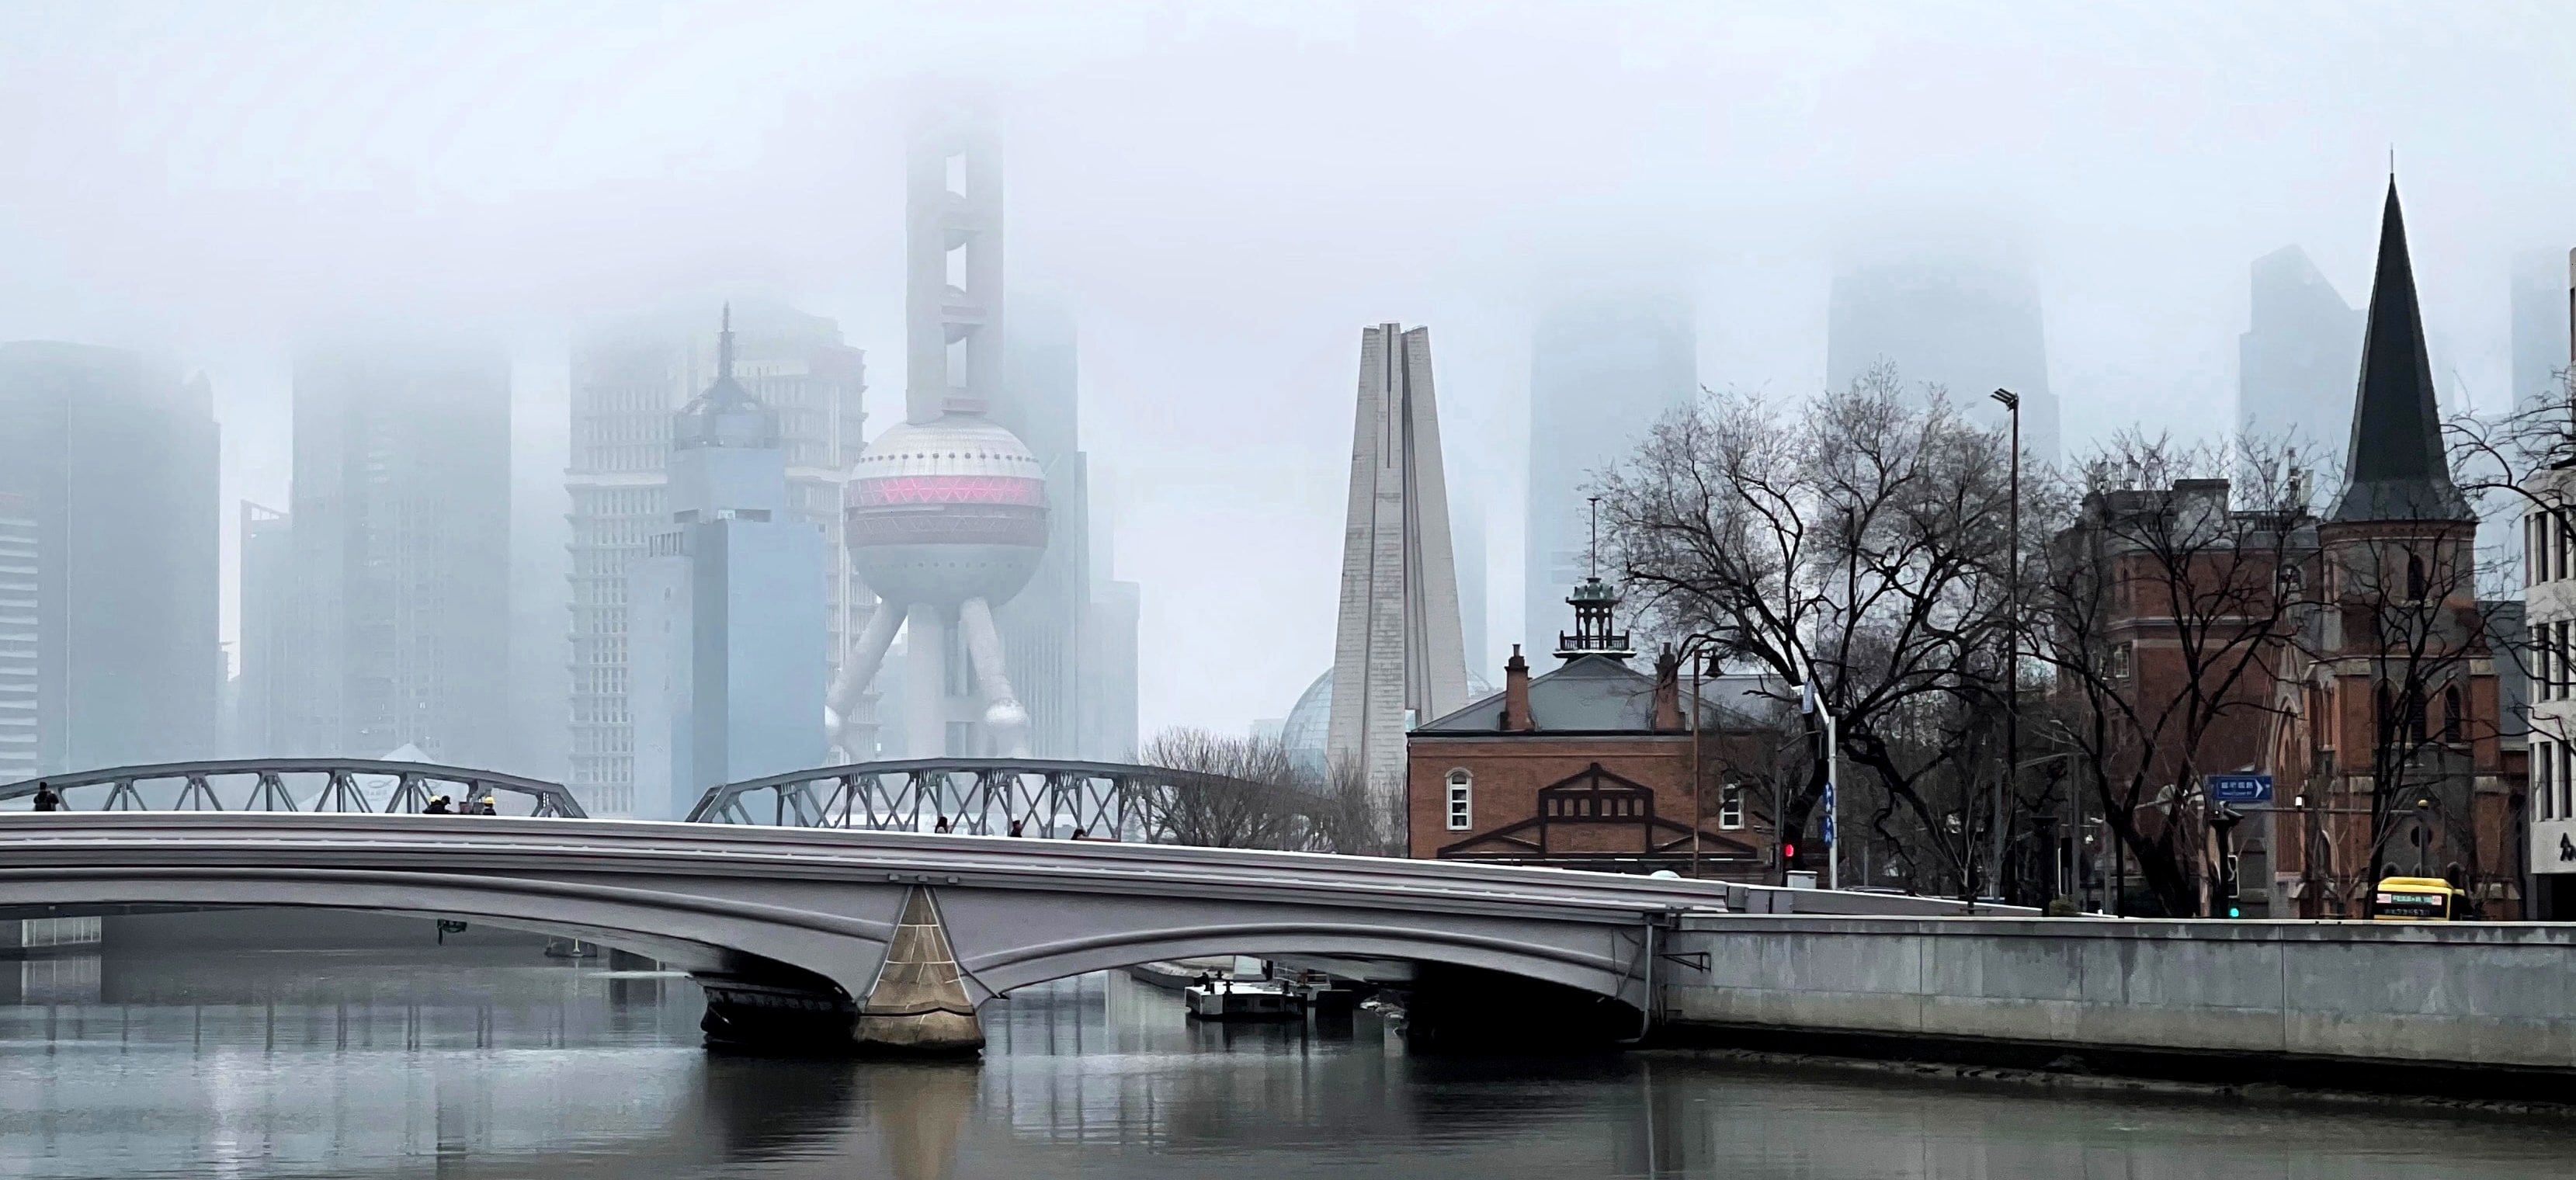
(490, 1061)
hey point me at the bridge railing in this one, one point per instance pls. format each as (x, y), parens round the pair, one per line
(1029, 797)
(348, 785)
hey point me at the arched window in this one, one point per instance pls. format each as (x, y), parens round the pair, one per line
(2451, 728)
(1730, 808)
(1462, 787)
(2414, 578)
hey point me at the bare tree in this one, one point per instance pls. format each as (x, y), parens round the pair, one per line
(1244, 792)
(1856, 541)
(2167, 603)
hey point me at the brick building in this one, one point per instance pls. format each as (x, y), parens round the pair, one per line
(1591, 765)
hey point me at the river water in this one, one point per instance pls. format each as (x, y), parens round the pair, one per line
(492, 1061)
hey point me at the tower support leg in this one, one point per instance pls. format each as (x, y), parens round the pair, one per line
(1006, 721)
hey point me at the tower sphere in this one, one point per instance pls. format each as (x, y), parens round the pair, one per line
(947, 510)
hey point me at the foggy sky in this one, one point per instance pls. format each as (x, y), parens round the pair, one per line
(1226, 194)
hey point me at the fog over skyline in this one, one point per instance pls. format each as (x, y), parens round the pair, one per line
(1225, 195)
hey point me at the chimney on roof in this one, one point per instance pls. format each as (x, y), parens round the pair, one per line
(1516, 705)
(1668, 689)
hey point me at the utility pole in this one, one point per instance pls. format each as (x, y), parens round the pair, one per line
(2012, 655)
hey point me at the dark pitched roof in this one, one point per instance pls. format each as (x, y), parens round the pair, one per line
(2395, 467)
(1600, 694)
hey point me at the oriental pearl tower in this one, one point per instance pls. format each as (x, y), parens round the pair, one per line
(946, 514)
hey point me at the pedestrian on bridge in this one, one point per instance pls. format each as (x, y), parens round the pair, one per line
(942, 825)
(438, 806)
(47, 800)
(483, 806)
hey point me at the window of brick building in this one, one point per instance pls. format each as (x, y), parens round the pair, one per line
(1461, 800)
(1730, 808)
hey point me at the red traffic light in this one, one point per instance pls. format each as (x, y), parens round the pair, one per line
(1788, 851)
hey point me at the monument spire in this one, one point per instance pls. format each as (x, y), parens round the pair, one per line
(2396, 469)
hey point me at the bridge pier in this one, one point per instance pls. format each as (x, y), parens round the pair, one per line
(919, 1005)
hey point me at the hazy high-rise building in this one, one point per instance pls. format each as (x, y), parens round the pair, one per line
(1043, 625)
(1109, 671)
(1602, 371)
(1399, 657)
(1467, 539)
(726, 611)
(2296, 359)
(629, 376)
(1967, 328)
(262, 708)
(19, 639)
(2544, 313)
(401, 527)
(109, 570)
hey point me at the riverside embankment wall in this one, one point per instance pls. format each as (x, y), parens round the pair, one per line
(2465, 994)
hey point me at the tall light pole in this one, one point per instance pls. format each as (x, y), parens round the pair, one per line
(2012, 652)
(1814, 702)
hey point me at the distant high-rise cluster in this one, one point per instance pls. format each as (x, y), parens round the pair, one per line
(108, 560)
(1967, 328)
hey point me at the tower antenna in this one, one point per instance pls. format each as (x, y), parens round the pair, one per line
(1596, 537)
(724, 345)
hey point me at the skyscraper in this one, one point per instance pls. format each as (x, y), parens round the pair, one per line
(1966, 327)
(1043, 625)
(2544, 313)
(726, 639)
(1602, 370)
(629, 376)
(401, 527)
(262, 710)
(1399, 656)
(20, 730)
(2296, 359)
(109, 577)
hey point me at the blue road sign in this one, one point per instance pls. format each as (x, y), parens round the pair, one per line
(2241, 788)
(1829, 811)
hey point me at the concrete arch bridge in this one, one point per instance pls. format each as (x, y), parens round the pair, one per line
(809, 936)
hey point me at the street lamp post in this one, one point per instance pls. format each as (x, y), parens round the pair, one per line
(2012, 651)
(1812, 701)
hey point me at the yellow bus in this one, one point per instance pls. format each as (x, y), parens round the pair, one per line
(2415, 899)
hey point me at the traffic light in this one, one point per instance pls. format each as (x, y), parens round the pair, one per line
(2225, 819)
(1788, 851)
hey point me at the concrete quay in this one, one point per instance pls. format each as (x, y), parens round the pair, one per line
(2405, 1007)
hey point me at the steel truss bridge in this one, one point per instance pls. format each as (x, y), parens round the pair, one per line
(334, 785)
(1023, 796)
(967, 796)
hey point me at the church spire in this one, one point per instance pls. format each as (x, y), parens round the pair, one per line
(2395, 467)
